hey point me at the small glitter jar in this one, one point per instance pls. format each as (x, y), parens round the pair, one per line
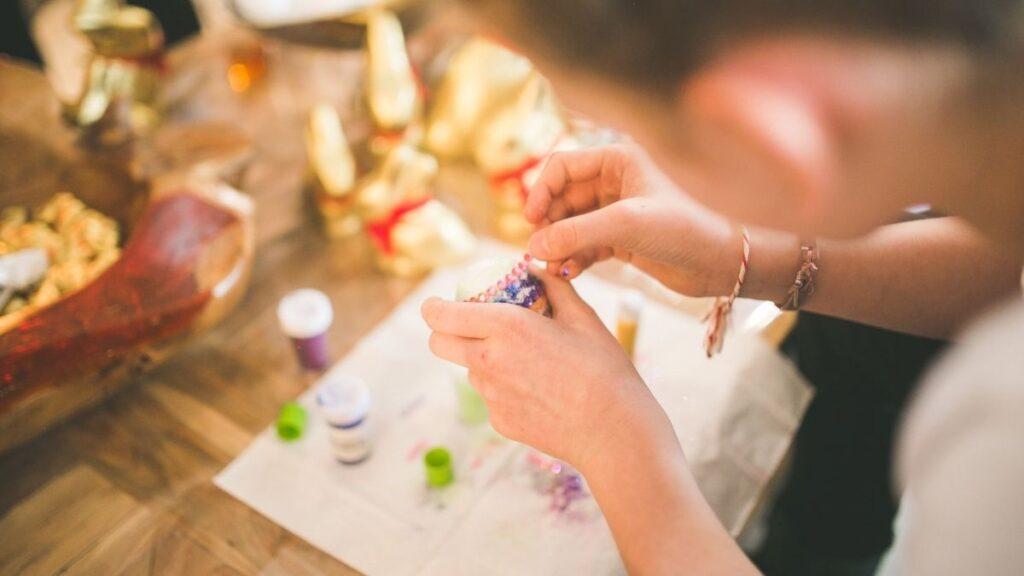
(345, 403)
(291, 422)
(471, 406)
(305, 316)
(437, 464)
(628, 323)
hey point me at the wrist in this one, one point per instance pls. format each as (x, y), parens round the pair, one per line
(725, 265)
(632, 426)
(774, 258)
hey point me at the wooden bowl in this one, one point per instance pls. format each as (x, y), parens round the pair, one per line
(185, 262)
(344, 30)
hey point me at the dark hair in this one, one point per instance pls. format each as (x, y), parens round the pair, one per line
(657, 42)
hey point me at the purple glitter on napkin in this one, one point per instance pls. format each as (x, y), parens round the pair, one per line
(558, 481)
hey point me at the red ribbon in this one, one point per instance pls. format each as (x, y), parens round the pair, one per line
(380, 230)
(420, 84)
(155, 61)
(391, 137)
(518, 173)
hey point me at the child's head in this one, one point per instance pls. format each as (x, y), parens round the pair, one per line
(812, 115)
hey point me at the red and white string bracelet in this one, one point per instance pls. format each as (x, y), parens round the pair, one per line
(718, 317)
(803, 285)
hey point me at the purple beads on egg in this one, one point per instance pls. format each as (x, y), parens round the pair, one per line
(517, 287)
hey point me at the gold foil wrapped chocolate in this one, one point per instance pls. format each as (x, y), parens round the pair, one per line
(392, 88)
(334, 171)
(482, 78)
(412, 231)
(493, 107)
(512, 147)
(120, 95)
(80, 244)
(117, 30)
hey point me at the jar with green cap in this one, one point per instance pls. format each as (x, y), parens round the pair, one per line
(291, 421)
(438, 464)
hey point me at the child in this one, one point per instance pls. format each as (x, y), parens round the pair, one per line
(820, 118)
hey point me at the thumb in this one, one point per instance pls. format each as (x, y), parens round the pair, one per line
(562, 296)
(610, 226)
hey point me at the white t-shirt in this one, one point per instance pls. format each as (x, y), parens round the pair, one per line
(961, 459)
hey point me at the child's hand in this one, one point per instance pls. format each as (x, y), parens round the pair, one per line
(597, 203)
(562, 385)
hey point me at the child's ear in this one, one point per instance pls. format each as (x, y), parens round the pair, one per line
(762, 134)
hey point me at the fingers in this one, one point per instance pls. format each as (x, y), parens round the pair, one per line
(558, 241)
(576, 198)
(454, 348)
(567, 269)
(584, 259)
(562, 169)
(603, 228)
(580, 261)
(465, 319)
(483, 387)
(561, 294)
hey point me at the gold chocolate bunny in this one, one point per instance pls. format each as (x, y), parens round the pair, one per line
(392, 87)
(512, 147)
(123, 79)
(482, 77)
(334, 170)
(412, 231)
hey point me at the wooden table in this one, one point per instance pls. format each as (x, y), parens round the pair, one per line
(126, 487)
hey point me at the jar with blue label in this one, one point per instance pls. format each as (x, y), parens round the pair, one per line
(345, 403)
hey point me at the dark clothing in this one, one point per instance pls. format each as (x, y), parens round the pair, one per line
(14, 37)
(177, 17)
(835, 510)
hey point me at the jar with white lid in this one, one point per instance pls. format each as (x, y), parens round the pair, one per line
(345, 403)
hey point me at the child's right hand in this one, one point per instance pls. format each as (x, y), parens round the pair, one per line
(597, 203)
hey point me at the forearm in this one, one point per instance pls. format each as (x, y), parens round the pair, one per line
(924, 277)
(660, 520)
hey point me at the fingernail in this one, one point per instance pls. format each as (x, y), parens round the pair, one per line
(565, 271)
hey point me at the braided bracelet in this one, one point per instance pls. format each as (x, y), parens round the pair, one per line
(718, 316)
(803, 285)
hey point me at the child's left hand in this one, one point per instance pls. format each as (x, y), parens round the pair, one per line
(562, 385)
